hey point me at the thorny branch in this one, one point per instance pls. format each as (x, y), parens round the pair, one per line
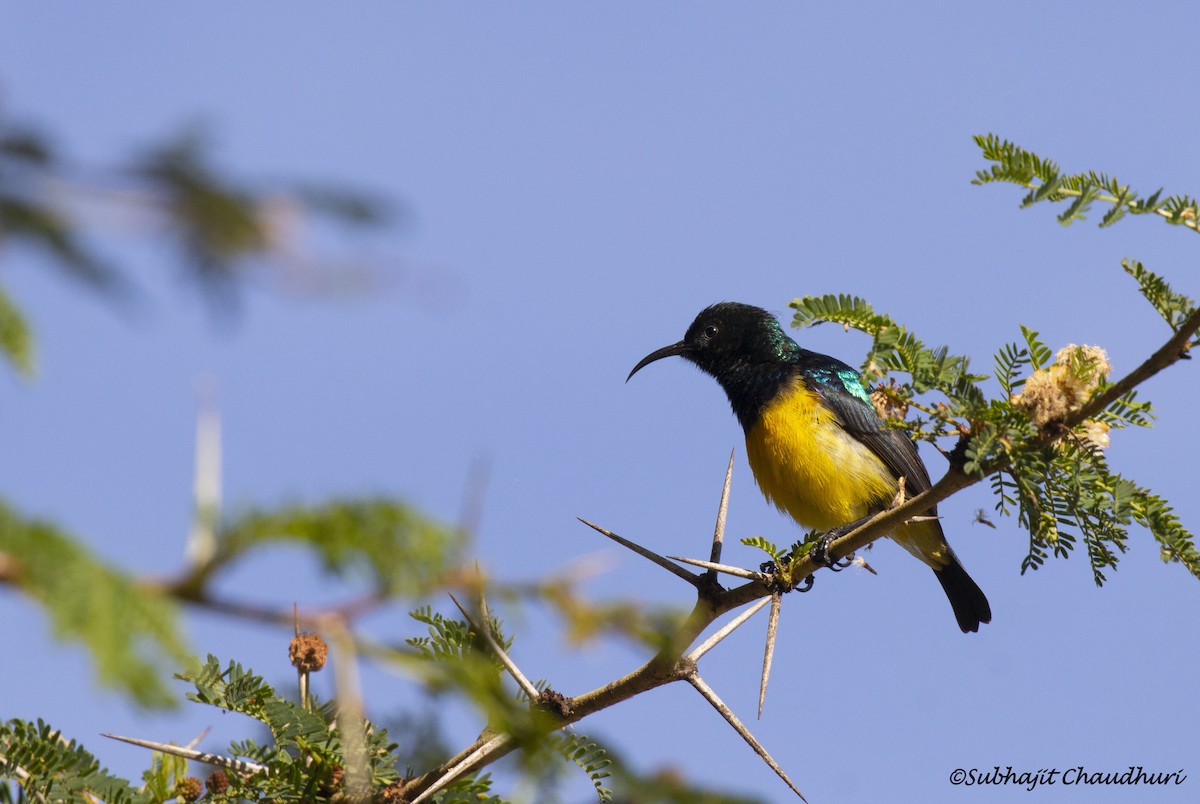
(672, 662)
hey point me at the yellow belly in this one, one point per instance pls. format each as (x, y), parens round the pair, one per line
(810, 468)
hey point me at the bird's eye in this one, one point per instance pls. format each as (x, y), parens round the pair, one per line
(711, 331)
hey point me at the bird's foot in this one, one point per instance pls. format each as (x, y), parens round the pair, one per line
(779, 581)
(820, 552)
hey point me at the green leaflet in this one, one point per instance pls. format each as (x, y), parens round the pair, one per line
(49, 768)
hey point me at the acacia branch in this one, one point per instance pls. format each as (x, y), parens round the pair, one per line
(1169, 353)
(1109, 198)
(670, 664)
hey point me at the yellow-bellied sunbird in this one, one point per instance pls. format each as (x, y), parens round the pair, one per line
(817, 448)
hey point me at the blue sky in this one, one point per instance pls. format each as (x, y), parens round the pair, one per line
(580, 180)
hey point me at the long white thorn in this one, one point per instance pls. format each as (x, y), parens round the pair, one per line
(711, 696)
(722, 513)
(726, 630)
(238, 765)
(491, 746)
(769, 652)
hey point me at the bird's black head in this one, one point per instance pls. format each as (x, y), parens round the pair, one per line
(743, 347)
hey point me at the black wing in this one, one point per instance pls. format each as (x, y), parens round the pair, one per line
(843, 393)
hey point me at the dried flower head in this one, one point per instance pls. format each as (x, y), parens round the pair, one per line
(888, 404)
(217, 783)
(308, 652)
(1094, 434)
(189, 788)
(1050, 394)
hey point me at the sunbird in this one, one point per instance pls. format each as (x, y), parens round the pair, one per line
(818, 449)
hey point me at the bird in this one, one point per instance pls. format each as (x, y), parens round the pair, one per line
(818, 449)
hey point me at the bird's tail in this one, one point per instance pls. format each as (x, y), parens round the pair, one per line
(966, 598)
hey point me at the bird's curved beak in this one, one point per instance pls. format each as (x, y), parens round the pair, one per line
(681, 349)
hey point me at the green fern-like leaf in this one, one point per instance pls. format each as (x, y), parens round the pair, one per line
(764, 544)
(1174, 307)
(449, 638)
(163, 775)
(48, 768)
(590, 757)
(239, 690)
(1013, 164)
(1010, 361)
(1176, 543)
(305, 748)
(850, 311)
(468, 790)
(1040, 354)
(1127, 411)
(893, 347)
(1077, 209)
(1045, 182)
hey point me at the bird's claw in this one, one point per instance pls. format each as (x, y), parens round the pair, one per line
(778, 583)
(820, 552)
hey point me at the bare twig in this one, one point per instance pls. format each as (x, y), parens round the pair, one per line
(1169, 353)
(485, 631)
(493, 746)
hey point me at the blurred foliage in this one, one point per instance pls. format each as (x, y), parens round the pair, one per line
(16, 341)
(366, 537)
(224, 230)
(131, 632)
(31, 212)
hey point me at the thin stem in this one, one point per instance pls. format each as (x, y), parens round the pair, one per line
(1188, 223)
(493, 746)
(485, 631)
(1170, 352)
